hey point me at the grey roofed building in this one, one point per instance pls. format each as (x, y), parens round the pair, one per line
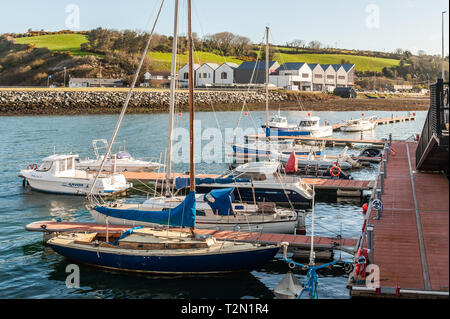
(243, 74)
(95, 82)
(291, 65)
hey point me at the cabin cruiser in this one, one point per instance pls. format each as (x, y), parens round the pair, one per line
(279, 121)
(257, 182)
(57, 174)
(215, 210)
(274, 147)
(309, 126)
(122, 161)
(359, 125)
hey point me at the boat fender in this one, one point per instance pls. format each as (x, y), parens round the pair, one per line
(285, 245)
(357, 265)
(392, 151)
(365, 207)
(335, 171)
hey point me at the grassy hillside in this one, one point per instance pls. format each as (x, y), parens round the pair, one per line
(363, 63)
(161, 60)
(58, 42)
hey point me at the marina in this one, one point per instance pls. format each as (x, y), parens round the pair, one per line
(285, 202)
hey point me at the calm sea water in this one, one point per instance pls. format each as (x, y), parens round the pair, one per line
(30, 270)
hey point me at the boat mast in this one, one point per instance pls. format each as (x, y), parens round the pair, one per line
(267, 78)
(172, 99)
(191, 100)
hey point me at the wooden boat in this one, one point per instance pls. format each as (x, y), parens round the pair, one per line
(151, 250)
(57, 174)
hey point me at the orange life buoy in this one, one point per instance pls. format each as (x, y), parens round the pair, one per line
(357, 266)
(392, 152)
(335, 171)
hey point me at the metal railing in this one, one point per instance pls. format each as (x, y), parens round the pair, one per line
(436, 122)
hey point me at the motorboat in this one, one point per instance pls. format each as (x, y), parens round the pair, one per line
(121, 161)
(57, 174)
(215, 210)
(358, 125)
(274, 147)
(309, 126)
(257, 182)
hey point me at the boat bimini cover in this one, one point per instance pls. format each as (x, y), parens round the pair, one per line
(182, 216)
(220, 201)
(183, 182)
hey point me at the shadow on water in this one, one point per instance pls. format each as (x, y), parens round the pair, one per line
(113, 284)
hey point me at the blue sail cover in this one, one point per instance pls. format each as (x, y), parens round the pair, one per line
(183, 182)
(182, 216)
(220, 201)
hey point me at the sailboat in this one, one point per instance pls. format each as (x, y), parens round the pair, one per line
(167, 251)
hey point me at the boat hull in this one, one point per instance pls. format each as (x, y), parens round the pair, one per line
(320, 132)
(170, 264)
(358, 128)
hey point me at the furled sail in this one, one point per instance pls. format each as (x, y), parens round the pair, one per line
(181, 216)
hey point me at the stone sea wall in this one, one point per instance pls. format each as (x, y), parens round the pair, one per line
(73, 102)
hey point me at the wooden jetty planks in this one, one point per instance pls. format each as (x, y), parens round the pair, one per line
(403, 260)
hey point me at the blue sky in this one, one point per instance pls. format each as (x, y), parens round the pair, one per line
(353, 24)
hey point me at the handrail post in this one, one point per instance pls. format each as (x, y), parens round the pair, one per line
(385, 168)
(370, 242)
(382, 182)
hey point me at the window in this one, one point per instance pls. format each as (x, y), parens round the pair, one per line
(69, 163)
(318, 76)
(305, 75)
(62, 165)
(341, 77)
(45, 166)
(223, 75)
(205, 75)
(186, 76)
(330, 76)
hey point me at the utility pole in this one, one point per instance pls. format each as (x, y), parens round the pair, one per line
(443, 73)
(64, 77)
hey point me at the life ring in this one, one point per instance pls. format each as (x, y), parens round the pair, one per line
(333, 171)
(357, 265)
(392, 151)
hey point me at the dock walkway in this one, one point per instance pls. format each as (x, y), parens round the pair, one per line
(411, 238)
(383, 121)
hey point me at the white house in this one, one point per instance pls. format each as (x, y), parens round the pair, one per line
(224, 74)
(205, 74)
(330, 77)
(293, 76)
(341, 75)
(183, 75)
(318, 77)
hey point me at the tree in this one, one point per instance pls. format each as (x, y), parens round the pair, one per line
(221, 42)
(240, 45)
(315, 44)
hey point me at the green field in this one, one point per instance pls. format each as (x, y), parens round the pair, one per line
(58, 42)
(362, 63)
(161, 60)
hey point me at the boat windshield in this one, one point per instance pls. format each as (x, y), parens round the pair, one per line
(45, 166)
(279, 120)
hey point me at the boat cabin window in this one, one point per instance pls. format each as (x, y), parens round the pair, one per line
(62, 165)
(69, 164)
(308, 123)
(278, 120)
(254, 176)
(45, 166)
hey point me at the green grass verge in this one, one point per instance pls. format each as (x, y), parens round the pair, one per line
(58, 42)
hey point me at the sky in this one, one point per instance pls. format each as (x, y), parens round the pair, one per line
(380, 25)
